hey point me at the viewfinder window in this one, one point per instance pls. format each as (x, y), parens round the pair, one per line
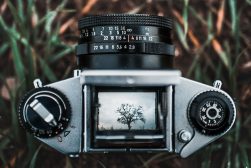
(127, 111)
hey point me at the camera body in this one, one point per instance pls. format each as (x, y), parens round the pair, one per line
(123, 102)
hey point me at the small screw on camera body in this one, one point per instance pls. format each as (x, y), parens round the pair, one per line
(184, 136)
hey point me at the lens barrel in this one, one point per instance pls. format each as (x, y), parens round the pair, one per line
(124, 41)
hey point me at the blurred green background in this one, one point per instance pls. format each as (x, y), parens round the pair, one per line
(37, 39)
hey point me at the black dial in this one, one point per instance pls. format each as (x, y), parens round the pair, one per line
(211, 113)
(44, 112)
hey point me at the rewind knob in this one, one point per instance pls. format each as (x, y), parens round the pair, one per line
(44, 112)
(211, 113)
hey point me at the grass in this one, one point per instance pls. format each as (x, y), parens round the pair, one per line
(32, 52)
(236, 154)
(37, 40)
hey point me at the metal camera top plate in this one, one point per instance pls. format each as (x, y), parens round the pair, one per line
(130, 77)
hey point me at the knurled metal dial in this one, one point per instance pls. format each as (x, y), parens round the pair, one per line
(125, 19)
(211, 113)
(44, 112)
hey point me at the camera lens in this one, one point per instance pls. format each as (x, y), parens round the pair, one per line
(124, 41)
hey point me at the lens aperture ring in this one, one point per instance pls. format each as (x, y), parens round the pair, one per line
(141, 48)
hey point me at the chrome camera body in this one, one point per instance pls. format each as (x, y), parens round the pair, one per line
(126, 96)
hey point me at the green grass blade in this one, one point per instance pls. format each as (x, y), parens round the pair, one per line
(3, 105)
(197, 73)
(51, 15)
(210, 23)
(34, 158)
(198, 55)
(219, 71)
(14, 11)
(229, 159)
(247, 120)
(244, 156)
(207, 162)
(61, 5)
(31, 146)
(3, 25)
(14, 34)
(31, 64)
(3, 48)
(233, 13)
(19, 67)
(237, 131)
(49, 19)
(2, 157)
(43, 19)
(30, 5)
(68, 163)
(227, 52)
(14, 116)
(20, 10)
(47, 70)
(196, 15)
(181, 36)
(224, 58)
(185, 16)
(237, 35)
(237, 160)
(3, 144)
(61, 54)
(16, 17)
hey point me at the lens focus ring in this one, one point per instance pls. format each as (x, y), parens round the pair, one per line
(122, 19)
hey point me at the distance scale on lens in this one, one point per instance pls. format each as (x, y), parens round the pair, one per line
(211, 113)
(124, 33)
(125, 39)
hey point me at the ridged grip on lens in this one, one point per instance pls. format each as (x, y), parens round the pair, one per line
(125, 19)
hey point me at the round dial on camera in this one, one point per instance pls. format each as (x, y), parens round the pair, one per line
(45, 112)
(211, 113)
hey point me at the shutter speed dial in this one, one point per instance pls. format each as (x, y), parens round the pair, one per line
(44, 112)
(211, 113)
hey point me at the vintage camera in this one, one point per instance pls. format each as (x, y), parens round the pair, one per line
(126, 95)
